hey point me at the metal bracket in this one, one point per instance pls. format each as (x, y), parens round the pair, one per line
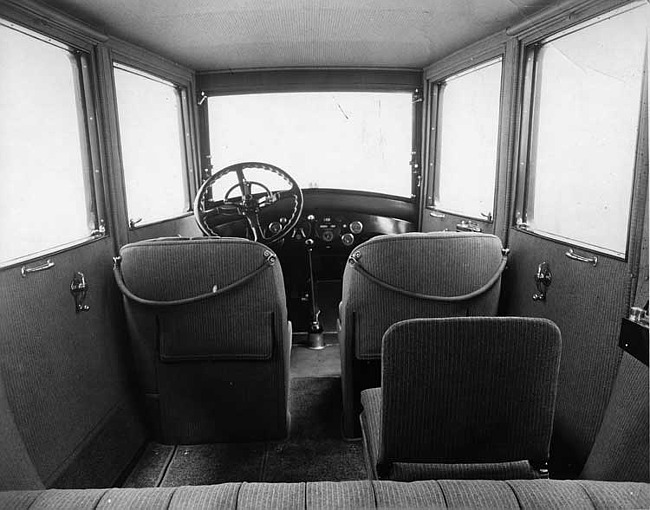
(78, 289)
(543, 279)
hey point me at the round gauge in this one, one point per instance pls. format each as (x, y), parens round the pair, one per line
(347, 239)
(327, 236)
(356, 227)
(275, 227)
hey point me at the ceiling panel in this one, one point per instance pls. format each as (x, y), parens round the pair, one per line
(238, 34)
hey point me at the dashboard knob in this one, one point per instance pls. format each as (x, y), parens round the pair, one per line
(275, 227)
(356, 227)
(327, 236)
(347, 239)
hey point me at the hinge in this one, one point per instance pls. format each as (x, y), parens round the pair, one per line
(100, 230)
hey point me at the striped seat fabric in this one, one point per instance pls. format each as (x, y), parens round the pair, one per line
(406, 276)
(470, 397)
(485, 494)
(210, 338)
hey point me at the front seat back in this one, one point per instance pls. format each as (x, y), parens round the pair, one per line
(209, 333)
(393, 278)
(464, 397)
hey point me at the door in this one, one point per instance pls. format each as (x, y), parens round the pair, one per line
(580, 203)
(62, 360)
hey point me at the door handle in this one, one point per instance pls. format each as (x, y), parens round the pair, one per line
(78, 289)
(543, 279)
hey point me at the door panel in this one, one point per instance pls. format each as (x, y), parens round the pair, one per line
(65, 371)
(184, 227)
(586, 303)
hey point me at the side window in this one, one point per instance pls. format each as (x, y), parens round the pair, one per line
(47, 198)
(151, 126)
(582, 103)
(464, 149)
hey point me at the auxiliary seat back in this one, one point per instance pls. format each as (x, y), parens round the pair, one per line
(474, 391)
(209, 333)
(393, 278)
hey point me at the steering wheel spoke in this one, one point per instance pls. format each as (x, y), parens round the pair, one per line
(250, 203)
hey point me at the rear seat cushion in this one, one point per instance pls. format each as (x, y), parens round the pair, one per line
(537, 494)
(287, 496)
(341, 495)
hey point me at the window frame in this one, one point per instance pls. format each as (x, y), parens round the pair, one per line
(217, 83)
(121, 53)
(435, 97)
(183, 89)
(86, 86)
(530, 41)
(497, 46)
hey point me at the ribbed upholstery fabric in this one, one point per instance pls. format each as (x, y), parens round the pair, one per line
(445, 264)
(272, 495)
(16, 468)
(215, 370)
(620, 452)
(21, 500)
(472, 390)
(223, 496)
(172, 269)
(426, 494)
(136, 499)
(69, 498)
(620, 495)
(525, 494)
(341, 495)
(64, 372)
(371, 428)
(488, 494)
(411, 471)
(539, 494)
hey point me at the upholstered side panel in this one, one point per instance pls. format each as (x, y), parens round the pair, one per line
(620, 452)
(64, 372)
(469, 390)
(17, 472)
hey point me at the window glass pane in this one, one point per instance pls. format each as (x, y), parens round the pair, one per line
(43, 193)
(467, 145)
(152, 146)
(345, 140)
(584, 135)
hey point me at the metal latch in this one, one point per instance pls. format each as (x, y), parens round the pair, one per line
(78, 289)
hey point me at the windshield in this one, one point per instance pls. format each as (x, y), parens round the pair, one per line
(358, 141)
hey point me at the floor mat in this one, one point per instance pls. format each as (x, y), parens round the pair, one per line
(314, 450)
(307, 362)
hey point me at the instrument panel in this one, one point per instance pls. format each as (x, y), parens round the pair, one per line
(333, 230)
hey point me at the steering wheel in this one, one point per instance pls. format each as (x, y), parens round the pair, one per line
(249, 203)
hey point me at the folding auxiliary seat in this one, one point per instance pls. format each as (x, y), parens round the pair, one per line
(470, 397)
(393, 278)
(210, 338)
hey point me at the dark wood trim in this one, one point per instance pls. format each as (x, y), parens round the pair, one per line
(307, 80)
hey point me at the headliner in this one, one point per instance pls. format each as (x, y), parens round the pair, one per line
(208, 35)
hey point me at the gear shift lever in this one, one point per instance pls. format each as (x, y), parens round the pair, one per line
(315, 337)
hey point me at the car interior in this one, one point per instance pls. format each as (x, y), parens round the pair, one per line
(333, 254)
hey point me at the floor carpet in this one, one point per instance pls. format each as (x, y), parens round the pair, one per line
(314, 450)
